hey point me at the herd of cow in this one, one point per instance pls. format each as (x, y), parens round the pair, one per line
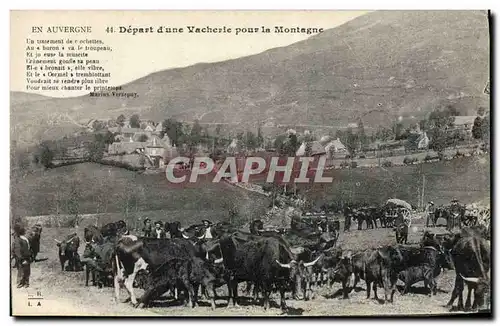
(454, 215)
(270, 261)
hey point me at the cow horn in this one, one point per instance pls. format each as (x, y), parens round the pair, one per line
(313, 262)
(218, 261)
(57, 241)
(325, 270)
(283, 265)
(87, 242)
(202, 237)
(470, 279)
(185, 236)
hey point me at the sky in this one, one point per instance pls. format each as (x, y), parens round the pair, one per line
(135, 56)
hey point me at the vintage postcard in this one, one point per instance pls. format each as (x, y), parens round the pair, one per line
(250, 163)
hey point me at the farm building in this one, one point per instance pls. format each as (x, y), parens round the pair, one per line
(315, 149)
(335, 146)
(464, 123)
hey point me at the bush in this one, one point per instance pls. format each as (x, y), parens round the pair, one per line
(409, 160)
(354, 165)
(430, 157)
(459, 154)
(344, 165)
(386, 163)
(362, 155)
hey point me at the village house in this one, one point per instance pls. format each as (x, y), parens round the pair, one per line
(335, 147)
(416, 141)
(463, 123)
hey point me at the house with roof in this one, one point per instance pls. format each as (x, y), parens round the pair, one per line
(463, 123)
(416, 140)
(234, 147)
(313, 148)
(159, 128)
(335, 147)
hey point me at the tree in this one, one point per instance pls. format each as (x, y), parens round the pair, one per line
(279, 142)
(251, 140)
(399, 131)
(350, 139)
(121, 120)
(438, 141)
(260, 138)
(46, 155)
(290, 145)
(73, 202)
(477, 128)
(363, 139)
(135, 121)
(486, 131)
(97, 147)
(174, 130)
(195, 135)
(143, 138)
(142, 160)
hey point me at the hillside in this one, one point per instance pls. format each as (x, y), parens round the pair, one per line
(378, 66)
(92, 188)
(22, 97)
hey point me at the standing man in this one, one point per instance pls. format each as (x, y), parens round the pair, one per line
(347, 216)
(22, 254)
(430, 211)
(147, 230)
(208, 229)
(159, 232)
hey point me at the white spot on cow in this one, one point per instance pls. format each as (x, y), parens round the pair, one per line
(131, 237)
(414, 229)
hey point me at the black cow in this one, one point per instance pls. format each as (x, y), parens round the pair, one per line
(195, 231)
(186, 273)
(472, 259)
(342, 272)
(266, 262)
(68, 252)
(401, 231)
(93, 234)
(174, 229)
(379, 267)
(306, 280)
(33, 235)
(257, 228)
(135, 254)
(98, 261)
(348, 216)
(435, 259)
(365, 214)
(114, 229)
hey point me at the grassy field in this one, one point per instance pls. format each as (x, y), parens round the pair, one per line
(467, 179)
(65, 293)
(92, 188)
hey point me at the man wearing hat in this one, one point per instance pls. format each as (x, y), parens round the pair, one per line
(208, 229)
(158, 231)
(148, 228)
(22, 254)
(430, 210)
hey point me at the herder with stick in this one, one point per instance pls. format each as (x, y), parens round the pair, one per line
(22, 254)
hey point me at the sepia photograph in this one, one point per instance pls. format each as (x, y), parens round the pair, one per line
(250, 163)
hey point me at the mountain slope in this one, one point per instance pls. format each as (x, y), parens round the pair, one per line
(377, 66)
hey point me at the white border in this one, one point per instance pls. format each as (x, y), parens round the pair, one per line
(186, 5)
